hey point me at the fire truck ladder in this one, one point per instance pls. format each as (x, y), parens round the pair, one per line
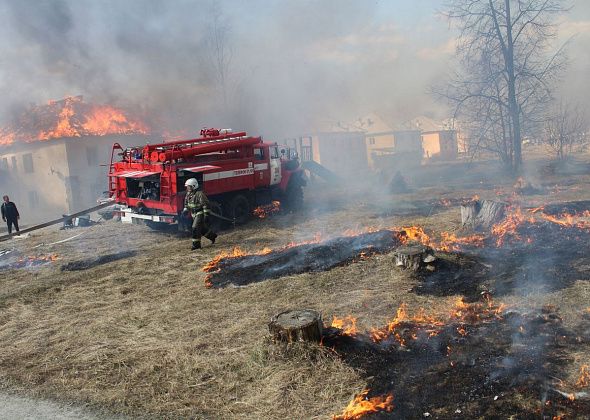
(166, 186)
(179, 144)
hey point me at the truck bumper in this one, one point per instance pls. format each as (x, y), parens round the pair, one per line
(129, 216)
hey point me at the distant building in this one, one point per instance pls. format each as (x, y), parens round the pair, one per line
(440, 144)
(439, 141)
(344, 153)
(59, 176)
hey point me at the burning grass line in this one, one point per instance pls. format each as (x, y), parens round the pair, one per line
(404, 328)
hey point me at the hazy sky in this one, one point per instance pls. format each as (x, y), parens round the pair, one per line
(293, 62)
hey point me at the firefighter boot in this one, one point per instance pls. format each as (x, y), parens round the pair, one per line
(196, 245)
(212, 236)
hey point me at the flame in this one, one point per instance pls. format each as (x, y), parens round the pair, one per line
(448, 241)
(70, 117)
(267, 210)
(427, 323)
(509, 226)
(40, 258)
(361, 405)
(33, 260)
(415, 234)
(214, 263)
(463, 313)
(346, 324)
(569, 220)
(584, 379)
(537, 209)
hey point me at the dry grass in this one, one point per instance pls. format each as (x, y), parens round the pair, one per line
(143, 336)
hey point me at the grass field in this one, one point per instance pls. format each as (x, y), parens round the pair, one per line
(143, 336)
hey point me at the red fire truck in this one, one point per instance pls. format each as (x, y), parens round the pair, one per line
(237, 172)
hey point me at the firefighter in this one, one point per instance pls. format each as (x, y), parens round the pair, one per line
(197, 204)
(10, 214)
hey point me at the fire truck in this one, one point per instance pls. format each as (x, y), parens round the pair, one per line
(236, 171)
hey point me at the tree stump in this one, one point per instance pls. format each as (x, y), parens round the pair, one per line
(491, 213)
(469, 213)
(296, 325)
(482, 214)
(414, 257)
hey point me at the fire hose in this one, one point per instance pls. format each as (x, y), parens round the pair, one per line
(219, 216)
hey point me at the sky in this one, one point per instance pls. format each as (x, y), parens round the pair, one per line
(290, 65)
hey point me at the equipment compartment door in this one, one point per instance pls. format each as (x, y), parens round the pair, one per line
(261, 167)
(275, 166)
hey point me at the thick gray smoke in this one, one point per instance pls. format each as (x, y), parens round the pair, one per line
(275, 68)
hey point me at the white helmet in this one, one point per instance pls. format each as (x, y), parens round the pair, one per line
(192, 182)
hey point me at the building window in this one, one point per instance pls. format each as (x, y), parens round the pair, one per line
(13, 159)
(33, 199)
(28, 163)
(371, 140)
(5, 163)
(91, 155)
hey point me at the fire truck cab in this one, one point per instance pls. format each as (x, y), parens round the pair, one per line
(237, 172)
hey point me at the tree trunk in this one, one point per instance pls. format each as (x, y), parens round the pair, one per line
(491, 212)
(469, 213)
(296, 325)
(482, 215)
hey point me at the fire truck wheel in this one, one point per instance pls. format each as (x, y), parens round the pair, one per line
(240, 209)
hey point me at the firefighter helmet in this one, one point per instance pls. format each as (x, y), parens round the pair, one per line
(192, 182)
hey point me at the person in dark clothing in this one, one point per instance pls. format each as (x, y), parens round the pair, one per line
(10, 214)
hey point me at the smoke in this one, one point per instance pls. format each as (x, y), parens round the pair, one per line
(273, 68)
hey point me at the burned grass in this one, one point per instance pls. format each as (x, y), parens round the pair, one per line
(312, 257)
(482, 362)
(87, 263)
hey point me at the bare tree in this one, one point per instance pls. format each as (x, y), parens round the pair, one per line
(219, 50)
(506, 75)
(566, 129)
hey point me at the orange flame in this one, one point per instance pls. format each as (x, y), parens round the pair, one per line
(264, 211)
(70, 117)
(346, 324)
(361, 405)
(584, 379)
(509, 226)
(41, 258)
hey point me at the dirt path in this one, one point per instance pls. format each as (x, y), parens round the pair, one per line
(16, 407)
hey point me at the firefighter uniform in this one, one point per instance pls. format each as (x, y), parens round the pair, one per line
(197, 203)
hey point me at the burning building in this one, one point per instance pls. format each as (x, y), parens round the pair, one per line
(54, 158)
